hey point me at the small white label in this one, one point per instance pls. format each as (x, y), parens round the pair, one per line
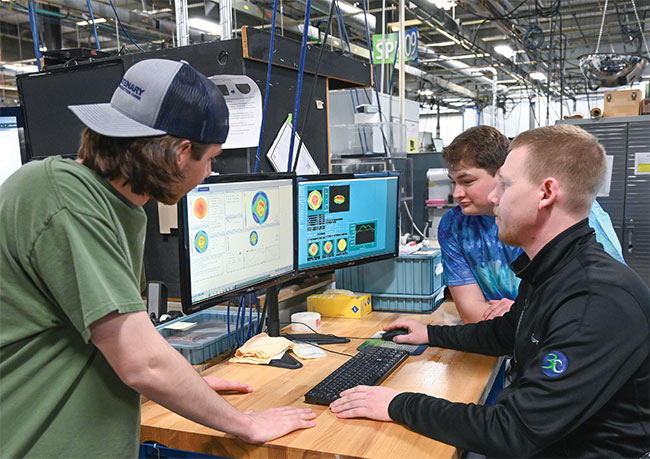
(180, 325)
(642, 163)
(438, 269)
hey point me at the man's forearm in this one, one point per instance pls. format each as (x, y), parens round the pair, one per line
(147, 363)
(470, 302)
(172, 382)
(471, 312)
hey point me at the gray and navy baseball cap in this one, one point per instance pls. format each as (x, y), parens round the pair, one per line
(160, 96)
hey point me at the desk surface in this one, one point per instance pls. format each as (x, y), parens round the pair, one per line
(456, 376)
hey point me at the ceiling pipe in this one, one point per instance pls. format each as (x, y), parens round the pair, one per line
(129, 17)
(353, 15)
(225, 16)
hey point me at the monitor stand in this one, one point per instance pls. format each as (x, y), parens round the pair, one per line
(273, 322)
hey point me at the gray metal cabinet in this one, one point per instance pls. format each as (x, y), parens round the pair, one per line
(628, 203)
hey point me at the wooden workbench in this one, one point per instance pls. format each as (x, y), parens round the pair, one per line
(456, 376)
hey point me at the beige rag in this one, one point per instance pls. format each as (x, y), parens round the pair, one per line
(260, 349)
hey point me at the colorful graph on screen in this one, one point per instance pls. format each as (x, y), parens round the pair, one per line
(260, 207)
(200, 208)
(315, 200)
(253, 238)
(201, 241)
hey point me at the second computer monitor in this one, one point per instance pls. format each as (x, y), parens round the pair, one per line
(346, 219)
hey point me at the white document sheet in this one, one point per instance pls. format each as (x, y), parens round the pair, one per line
(278, 154)
(244, 103)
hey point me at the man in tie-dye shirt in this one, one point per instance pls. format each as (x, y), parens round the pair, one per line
(476, 263)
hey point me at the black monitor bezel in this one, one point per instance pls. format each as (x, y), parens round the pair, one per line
(184, 247)
(359, 261)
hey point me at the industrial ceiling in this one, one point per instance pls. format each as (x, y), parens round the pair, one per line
(460, 43)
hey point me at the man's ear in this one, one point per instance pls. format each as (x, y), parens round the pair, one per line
(184, 153)
(550, 191)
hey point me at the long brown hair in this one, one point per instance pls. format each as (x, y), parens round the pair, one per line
(149, 165)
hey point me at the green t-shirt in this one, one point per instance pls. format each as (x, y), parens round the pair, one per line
(71, 250)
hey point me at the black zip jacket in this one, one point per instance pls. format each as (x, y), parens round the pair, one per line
(579, 333)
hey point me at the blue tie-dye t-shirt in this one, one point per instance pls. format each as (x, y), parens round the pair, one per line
(472, 252)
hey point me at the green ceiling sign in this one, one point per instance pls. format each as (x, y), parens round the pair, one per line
(383, 52)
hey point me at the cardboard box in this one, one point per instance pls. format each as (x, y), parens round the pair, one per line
(645, 107)
(622, 103)
(340, 305)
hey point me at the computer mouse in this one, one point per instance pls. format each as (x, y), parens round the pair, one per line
(389, 335)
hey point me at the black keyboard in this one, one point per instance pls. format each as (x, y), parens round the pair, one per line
(369, 367)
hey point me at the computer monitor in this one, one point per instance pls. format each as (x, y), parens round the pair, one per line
(10, 157)
(45, 96)
(345, 220)
(236, 236)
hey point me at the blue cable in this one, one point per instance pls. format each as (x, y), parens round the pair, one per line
(240, 320)
(122, 27)
(250, 316)
(268, 85)
(301, 69)
(338, 23)
(345, 31)
(92, 18)
(228, 326)
(33, 22)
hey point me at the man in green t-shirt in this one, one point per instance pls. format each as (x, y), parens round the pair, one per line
(76, 344)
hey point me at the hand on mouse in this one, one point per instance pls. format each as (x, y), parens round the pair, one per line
(417, 332)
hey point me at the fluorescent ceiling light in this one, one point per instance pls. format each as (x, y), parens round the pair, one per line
(85, 23)
(204, 25)
(456, 64)
(442, 43)
(444, 4)
(20, 68)
(505, 50)
(161, 11)
(537, 76)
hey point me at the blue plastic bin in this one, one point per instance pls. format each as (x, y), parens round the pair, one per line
(416, 274)
(207, 338)
(407, 303)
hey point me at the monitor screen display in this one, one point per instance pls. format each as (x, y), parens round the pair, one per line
(45, 97)
(346, 220)
(10, 159)
(237, 236)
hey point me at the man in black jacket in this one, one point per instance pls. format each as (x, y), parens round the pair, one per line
(579, 329)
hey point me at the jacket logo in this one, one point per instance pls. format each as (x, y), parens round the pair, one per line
(131, 89)
(554, 364)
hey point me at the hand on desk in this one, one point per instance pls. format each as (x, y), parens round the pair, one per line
(364, 402)
(275, 422)
(497, 308)
(417, 332)
(268, 424)
(225, 385)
